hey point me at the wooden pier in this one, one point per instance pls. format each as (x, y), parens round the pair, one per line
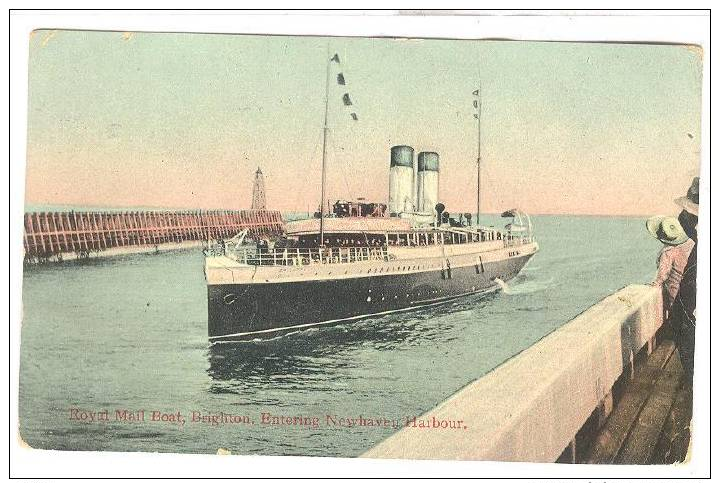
(651, 416)
(52, 235)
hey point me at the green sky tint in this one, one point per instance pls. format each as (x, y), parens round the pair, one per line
(183, 120)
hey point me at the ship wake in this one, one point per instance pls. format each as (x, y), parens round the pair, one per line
(525, 286)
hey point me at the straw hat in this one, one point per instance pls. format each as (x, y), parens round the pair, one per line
(691, 201)
(666, 229)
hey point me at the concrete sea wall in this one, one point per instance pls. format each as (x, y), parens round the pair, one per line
(531, 407)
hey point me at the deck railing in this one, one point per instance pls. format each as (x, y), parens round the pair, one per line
(513, 241)
(306, 256)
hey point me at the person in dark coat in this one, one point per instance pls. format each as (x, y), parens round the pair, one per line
(682, 312)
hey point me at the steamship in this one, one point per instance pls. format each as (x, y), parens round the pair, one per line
(363, 262)
(363, 259)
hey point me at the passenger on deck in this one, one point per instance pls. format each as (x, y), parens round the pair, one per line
(673, 256)
(263, 246)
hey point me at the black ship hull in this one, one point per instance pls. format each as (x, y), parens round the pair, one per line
(265, 310)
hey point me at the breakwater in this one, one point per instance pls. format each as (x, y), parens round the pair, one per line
(79, 234)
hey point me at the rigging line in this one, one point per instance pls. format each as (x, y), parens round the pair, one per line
(490, 184)
(343, 170)
(325, 135)
(480, 162)
(347, 75)
(365, 221)
(469, 180)
(307, 173)
(340, 68)
(479, 149)
(335, 146)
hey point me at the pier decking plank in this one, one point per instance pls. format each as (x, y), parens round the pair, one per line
(629, 405)
(675, 437)
(643, 439)
(651, 420)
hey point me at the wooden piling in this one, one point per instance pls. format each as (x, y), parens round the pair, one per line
(50, 234)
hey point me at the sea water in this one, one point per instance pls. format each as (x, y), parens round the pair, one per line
(115, 354)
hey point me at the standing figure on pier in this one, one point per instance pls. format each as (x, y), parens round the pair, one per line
(673, 256)
(682, 313)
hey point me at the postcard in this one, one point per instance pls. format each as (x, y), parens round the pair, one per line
(372, 247)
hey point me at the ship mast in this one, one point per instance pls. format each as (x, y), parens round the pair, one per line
(478, 105)
(324, 151)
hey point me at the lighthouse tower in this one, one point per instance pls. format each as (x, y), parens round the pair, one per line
(258, 197)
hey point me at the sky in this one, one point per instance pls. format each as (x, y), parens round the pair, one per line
(172, 120)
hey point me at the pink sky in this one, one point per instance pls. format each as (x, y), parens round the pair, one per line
(183, 121)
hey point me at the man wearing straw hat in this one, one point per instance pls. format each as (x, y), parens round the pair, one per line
(682, 312)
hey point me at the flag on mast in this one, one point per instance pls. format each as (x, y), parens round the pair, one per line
(340, 77)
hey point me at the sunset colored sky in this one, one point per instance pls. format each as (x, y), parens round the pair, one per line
(184, 120)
